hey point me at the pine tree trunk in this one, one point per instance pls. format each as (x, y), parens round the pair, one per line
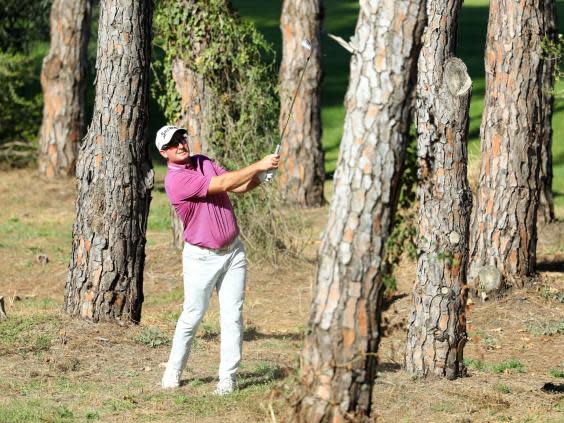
(114, 173)
(302, 173)
(63, 82)
(339, 356)
(437, 326)
(194, 100)
(546, 200)
(504, 232)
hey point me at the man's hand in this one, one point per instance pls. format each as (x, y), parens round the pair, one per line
(269, 162)
(231, 181)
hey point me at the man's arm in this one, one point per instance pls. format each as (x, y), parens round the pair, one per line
(232, 180)
(253, 183)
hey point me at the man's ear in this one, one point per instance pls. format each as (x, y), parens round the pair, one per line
(163, 153)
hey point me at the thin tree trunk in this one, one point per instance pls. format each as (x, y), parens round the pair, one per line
(504, 218)
(64, 85)
(546, 201)
(195, 100)
(114, 173)
(339, 356)
(301, 168)
(437, 326)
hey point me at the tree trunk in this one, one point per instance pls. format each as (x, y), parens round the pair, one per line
(339, 357)
(114, 173)
(194, 100)
(64, 84)
(504, 219)
(546, 200)
(302, 173)
(437, 325)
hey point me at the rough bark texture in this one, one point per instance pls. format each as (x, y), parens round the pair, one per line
(437, 325)
(546, 200)
(114, 175)
(63, 82)
(339, 357)
(301, 173)
(504, 232)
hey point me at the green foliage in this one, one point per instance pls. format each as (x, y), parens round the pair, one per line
(474, 364)
(504, 389)
(20, 114)
(152, 337)
(23, 22)
(545, 327)
(404, 229)
(552, 294)
(557, 373)
(27, 334)
(512, 364)
(237, 65)
(553, 50)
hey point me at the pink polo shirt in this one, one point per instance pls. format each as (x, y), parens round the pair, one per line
(209, 220)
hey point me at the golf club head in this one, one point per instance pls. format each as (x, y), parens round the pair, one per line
(306, 44)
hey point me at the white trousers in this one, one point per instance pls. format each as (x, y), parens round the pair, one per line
(203, 271)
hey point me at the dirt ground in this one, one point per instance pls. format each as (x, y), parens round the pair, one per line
(54, 368)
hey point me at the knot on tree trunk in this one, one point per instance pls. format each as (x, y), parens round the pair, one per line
(456, 76)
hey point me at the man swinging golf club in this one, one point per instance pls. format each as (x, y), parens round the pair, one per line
(213, 255)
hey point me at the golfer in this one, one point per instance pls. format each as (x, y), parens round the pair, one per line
(213, 255)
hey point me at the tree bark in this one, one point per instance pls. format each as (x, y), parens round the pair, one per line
(339, 356)
(546, 201)
(64, 84)
(504, 219)
(437, 325)
(114, 174)
(302, 171)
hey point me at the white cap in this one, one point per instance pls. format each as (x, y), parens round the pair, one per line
(165, 134)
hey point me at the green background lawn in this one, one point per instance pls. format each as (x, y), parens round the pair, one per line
(340, 19)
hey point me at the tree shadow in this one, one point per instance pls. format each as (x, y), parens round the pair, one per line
(263, 374)
(389, 300)
(252, 334)
(388, 367)
(556, 266)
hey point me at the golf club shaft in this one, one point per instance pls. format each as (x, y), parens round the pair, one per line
(294, 100)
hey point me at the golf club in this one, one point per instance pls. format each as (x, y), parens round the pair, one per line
(307, 46)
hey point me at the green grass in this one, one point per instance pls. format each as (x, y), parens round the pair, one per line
(474, 364)
(511, 364)
(340, 19)
(557, 373)
(152, 337)
(29, 334)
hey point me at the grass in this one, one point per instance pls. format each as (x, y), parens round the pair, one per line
(341, 20)
(559, 373)
(508, 366)
(29, 334)
(152, 337)
(545, 327)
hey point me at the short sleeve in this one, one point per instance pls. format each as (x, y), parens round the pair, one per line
(217, 168)
(181, 186)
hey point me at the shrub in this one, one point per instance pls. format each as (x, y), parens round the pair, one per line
(20, 112)
(238, 67)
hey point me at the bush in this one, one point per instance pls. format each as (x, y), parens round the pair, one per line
(20, 114)
(238, 66)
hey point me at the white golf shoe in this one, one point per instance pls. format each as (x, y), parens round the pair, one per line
(171, 378)
(225, 386)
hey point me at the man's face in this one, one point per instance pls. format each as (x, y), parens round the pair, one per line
(177, 150)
